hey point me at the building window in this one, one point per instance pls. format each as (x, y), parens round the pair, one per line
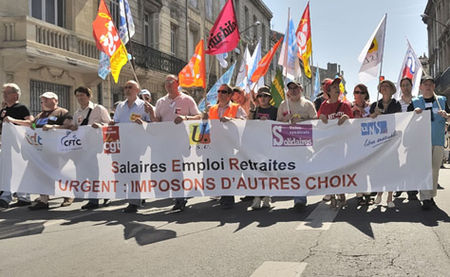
(193, 3)
(255, 29)
(51, 11)
(246, 18)
(39, 87)
(173, 39)
(263, 35)
(115, 12)
(209, 9)
(151, 29)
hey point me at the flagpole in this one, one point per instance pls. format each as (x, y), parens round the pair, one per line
(312, 60)
(381, 63)
(207, 81)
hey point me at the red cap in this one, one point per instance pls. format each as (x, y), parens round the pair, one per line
(329, 82)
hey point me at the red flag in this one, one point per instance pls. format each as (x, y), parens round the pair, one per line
(108, 40)
(194, 73)
(224, 35)
(264, 63)
(304, 40)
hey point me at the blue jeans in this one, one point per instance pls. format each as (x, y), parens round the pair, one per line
(7, 196)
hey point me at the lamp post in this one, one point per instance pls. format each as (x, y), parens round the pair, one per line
(426, 16)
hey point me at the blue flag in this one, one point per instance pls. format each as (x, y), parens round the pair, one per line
(317, 83)
(211, 96)
(126, 24)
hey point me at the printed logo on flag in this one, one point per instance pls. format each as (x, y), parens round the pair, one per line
(199, 133)
(70, 142)
(374, 128)
(111, 140)
(291, 135)
(35, 140)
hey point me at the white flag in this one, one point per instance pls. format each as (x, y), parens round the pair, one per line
(372, 54)
(126, 24)
(288, 56)
(241, 78)
(411, 68)
(252, 65)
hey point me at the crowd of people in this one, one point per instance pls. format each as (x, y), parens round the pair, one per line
(234, 104)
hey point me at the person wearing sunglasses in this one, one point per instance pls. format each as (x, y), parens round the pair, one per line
(386, 105)
(296, 109)
(361, 104)
(263, 111)
(225, 110)
(440, 113)
(334, 108)
(322, 97)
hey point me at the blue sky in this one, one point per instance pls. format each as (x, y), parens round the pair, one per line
(341, 28)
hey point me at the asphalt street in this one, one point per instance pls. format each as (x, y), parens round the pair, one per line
(205, 240)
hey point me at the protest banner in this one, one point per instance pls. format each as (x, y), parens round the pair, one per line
(211, 158)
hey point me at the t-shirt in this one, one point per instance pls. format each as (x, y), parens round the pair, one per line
(168, 109)
(393, 107)
(361, 112)
(428, 105)
(55, 117)
(335, 110)
(267, 113)
(303, 109)
(126, 114)
(16, 111)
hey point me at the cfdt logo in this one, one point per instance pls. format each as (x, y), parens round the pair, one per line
(374, 128)
(35, 140)
(70, 142)
(199, 133)
(111, 140)
(292, 135)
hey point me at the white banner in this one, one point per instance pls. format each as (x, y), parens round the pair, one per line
(159, 160)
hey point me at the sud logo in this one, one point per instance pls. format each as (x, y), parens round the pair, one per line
(374, 128)
(70, 142)
(111, 139)
(292, 135)
(199, 133)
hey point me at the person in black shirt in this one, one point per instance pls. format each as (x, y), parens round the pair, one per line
(13, 109)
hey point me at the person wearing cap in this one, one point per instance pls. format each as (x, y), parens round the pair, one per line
(175, 106)
(13, 110)
(145, 95)
(91, 114)
(51, 117)
(225, 110)
(406, 103)
(439, 115)
(386, 105)
(332, 109)
(240, 97)
(263, 111)
(322, 97)
(133, 110)
(295, 108)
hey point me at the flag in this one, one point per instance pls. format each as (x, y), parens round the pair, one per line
(211, 96)
(108, 41)
(241, 78)
(193, 74)
(411, 68)
(277, 89)
(372, 54)
(317, 83)
(126, 24)
(224, 35)
(264, 63)
(342, 92)
(288, 56)
(103, 66)
(304, 40)
(252, 66)
(222, 59)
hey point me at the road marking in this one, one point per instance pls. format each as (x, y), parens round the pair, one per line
(320, 219)
(285, 269)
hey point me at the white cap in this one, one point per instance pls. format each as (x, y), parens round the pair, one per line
(49, 95)
(145, 91)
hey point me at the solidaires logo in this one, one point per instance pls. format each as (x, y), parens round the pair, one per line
(199, 133)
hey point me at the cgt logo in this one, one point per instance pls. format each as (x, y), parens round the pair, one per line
(199, 133)
(111, 139)
(374, 128)
(70, 142)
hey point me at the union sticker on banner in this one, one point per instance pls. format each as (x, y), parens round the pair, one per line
(70, 141)
(111, 140)
(292, 135)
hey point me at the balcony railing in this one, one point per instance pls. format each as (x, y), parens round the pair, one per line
(151, 58)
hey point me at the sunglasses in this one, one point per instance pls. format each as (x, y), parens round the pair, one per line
(358, 92)
(224, 91)
(262, 95)
(128, 86)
